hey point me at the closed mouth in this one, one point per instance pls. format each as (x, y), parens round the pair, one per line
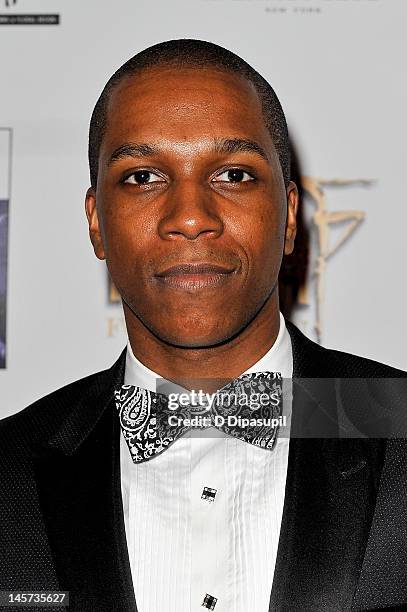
(192, 277)
(194, 269)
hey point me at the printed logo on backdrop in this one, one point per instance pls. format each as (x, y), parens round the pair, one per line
(26, 18)
(322, 223)
(5, 181)
(306, 8)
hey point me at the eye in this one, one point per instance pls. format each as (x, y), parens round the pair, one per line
(144, 177)
(233, 175)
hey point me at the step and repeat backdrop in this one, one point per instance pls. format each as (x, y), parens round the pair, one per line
(338, 67)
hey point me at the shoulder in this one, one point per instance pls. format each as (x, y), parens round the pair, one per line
(46, 415)
(361, 366)
(43, 415)
(316, 360)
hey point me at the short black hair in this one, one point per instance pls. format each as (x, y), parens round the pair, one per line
(185, 52)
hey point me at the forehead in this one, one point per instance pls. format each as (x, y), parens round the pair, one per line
(186, 104)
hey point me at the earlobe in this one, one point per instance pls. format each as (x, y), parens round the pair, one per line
(291, 225)
(93, 222)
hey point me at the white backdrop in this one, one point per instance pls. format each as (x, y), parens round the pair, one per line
(338, 67)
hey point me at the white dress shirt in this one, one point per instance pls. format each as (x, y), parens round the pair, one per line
(182, 547)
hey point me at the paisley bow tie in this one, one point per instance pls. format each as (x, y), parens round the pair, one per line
(248, 408)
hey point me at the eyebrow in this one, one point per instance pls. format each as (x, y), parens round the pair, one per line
(240, 145)
(221, 145)
(132, 150)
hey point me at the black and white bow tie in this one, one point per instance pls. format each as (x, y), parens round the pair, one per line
(249, 408)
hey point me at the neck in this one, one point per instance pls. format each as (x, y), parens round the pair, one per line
(222, 362)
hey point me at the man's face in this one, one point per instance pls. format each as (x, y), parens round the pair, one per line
(188, 176)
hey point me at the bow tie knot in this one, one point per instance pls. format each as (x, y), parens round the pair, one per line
(248, 408)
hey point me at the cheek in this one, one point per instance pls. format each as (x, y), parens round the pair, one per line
(126, 235)
(264, 243)
(125, 260)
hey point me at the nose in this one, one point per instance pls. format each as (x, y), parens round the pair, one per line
(189, 212)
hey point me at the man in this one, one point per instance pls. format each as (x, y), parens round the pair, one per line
(192, 206)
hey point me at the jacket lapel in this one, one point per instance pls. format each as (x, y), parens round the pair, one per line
(78, 478)
(329, 498)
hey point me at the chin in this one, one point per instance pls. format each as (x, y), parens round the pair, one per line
(190, 337)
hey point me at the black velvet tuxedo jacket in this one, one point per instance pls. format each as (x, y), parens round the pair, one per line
(343, 541)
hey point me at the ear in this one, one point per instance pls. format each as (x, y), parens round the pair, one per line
(291, 225)
(93, 221)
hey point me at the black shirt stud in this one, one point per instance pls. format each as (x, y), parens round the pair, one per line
(209, 602)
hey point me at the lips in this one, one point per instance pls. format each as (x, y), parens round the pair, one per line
(195, 276)
(194, 268)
